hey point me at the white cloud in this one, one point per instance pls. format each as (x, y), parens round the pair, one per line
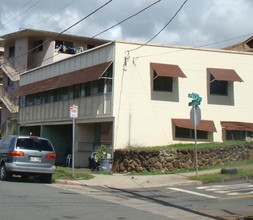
(198, 23)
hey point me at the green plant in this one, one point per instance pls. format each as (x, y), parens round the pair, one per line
(101, 153)
(187, 146)
(66, 173)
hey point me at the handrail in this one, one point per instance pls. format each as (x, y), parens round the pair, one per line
(10, 71)
(10, 103)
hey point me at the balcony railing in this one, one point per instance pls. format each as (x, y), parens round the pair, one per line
(9, 70)
(9, 102)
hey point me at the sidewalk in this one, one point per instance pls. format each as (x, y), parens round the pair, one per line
(124, 181)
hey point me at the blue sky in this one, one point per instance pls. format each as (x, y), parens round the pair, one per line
(198, 23)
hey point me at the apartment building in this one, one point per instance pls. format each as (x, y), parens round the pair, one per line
(28, 49)
(133, 95)
(129, 94)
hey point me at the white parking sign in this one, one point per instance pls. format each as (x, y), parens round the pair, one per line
(74, 111)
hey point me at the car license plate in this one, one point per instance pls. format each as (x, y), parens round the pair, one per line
(35, 159)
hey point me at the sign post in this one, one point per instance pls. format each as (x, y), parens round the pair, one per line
(195, 115)
(73, 115)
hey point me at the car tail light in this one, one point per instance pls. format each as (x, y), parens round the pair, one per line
(51, 156)
(17, 153)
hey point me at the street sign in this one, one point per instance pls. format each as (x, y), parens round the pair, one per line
(74, 111)
(196, 99)
(195, 115)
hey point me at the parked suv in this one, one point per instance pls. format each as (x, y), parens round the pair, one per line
(27, 156)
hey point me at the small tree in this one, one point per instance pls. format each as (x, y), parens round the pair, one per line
(101, 153)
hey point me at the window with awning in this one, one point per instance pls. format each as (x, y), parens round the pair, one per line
(184, 128)
(219, 80)
(237, 131)
(235, 125)
(224, 75)
(204, 125)
(163, 75)
(81, 76)
(167, 70)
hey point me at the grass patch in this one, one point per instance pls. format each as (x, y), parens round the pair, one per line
(245, 168)
(188, 146)
(218, 177)
(65, 173)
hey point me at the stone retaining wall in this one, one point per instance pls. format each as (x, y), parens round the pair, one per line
(168, 160)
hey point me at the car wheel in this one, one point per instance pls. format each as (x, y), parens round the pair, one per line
(46, 178)
(4, 175)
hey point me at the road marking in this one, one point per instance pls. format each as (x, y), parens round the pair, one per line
(230, 190)
(194, 193)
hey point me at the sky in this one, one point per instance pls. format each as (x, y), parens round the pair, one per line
(194, 23)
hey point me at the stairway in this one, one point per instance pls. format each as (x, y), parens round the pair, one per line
(8, 101)
(9, 70)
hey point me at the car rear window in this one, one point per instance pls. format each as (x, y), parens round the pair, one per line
(34, 144)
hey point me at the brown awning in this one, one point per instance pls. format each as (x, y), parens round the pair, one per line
(224, 74)
(69, 79)
(237, 126)
(168, 70)
(204, 125)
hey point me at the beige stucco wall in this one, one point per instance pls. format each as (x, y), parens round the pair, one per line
(143, 121)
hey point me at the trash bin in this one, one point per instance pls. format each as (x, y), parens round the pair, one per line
(106, 165)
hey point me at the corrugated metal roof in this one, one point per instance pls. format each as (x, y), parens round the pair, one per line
(237, 126)
(168, 70)
(204, 125)
(225, 74)
(72, 78)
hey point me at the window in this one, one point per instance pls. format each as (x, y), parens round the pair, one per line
(162, 83)
(85, 89)
(63, 45)
(11, 52)
(34, 144)
(49, 96)
(98, 87)
(37, 99)
(30, 100)
(64, 93)
(22, 101)
(108, 80)
(235, 135)
(189, 133)
(77, 91)
(38, 46)
(71, 92)
(56, 95)
(218, 87)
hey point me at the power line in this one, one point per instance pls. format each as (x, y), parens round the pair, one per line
(199, 46)
(162, 28)
(12, 14)
(37, 2)
(93, 12)
(55, 12)
(126, 19)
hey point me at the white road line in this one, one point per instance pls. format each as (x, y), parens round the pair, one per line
(194, 193)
